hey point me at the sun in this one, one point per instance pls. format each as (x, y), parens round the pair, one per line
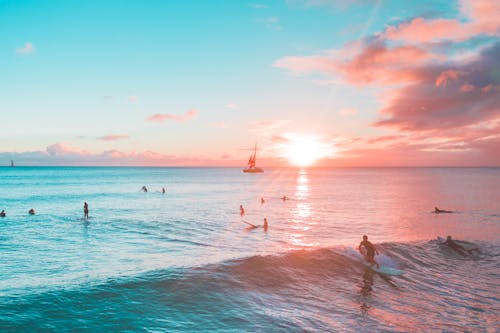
(305, 151)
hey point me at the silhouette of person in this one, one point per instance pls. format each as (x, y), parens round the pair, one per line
(2, 213)
(242, 210)
(370, 250)
(265, 224)
(144, 188)
(85, 210)
(31, 211)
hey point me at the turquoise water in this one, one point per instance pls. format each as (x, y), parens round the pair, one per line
(185, 261)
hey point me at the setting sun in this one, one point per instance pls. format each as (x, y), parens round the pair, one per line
(305, 151)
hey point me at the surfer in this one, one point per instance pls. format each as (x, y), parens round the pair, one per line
(437, 210)
(457, 247)
(370, 250)
(242, 210)
(2, 213)
(85, 210)
(31, 211)
(265, 224)
(144, 189)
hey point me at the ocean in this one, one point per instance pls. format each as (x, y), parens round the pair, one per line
(186, 261)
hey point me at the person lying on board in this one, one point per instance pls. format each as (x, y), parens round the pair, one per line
(253, 226)
(437, 210)
(370, 251)
(457, 247)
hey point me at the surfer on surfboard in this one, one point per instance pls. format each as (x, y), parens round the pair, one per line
(370, 251)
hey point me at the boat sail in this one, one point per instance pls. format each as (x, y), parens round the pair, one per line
(252, 168)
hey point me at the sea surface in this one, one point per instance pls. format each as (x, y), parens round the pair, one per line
(186, 261)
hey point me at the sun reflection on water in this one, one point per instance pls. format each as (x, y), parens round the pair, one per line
(302, 223)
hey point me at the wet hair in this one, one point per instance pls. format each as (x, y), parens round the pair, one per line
(365, 237)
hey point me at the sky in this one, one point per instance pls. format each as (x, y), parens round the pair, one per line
(199, 83)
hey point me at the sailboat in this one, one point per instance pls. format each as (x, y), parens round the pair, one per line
(251, 163)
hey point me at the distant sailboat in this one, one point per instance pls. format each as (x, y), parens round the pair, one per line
(251, 163)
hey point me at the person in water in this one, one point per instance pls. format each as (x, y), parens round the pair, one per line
(85, 210)
(242, 210)
(163, 190)
(2, 213)
(284, 198)
(31, 211)
(144, 188)
(265, 226)
(457, 247)
(262, 200)
(370, 251)
(437, 210)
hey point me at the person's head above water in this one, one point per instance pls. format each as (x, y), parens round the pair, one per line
(365, 237)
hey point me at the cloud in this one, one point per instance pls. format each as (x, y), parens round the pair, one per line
(438, 102)
(437, 92)
(160, 117)
(113, 137)
(26, 49)
(271, 23)
(369, 61)
(64, 154)
(481, 15)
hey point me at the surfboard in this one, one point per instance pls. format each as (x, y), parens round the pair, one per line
(383, 269)
(250, 224)
(386, 270)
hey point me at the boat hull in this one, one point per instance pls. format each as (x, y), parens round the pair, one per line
(253, 170)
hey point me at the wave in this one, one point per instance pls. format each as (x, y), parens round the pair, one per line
(293, 291)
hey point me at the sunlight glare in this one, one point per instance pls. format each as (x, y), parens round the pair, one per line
(304, 151)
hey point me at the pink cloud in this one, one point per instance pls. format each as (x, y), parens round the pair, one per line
(445, 77)
(423, 107)
(113, 137)
(466, 87)
(374, 62)
(160, 117)
(26, 49)
(482, 18)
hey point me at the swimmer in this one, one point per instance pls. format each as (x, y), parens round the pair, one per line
(144, 189)
(284, 198)
(2, 213)
(437, 210)
(31, 211)
(457, 247)
(370, 250)
(85, 210)
(262, 200)
(163, 190)
(242, 210)
(265, 224)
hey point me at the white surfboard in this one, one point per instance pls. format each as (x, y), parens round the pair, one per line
(386, 270)
(383, 269)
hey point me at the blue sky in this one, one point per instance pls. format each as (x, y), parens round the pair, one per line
(86, 77)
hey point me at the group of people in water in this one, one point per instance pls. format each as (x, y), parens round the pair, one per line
(4, 214)
(265, 225)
